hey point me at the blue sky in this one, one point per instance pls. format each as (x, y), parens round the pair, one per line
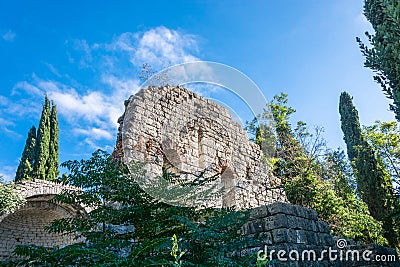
(86, 55)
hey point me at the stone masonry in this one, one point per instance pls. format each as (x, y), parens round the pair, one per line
(174, 129)
(26, 225)
(283, 226)
(305, 240)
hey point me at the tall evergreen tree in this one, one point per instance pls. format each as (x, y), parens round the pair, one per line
(384, 55)
(310, 178)
(373, 181)
(25, 166)
(52, 161)
(43, 142)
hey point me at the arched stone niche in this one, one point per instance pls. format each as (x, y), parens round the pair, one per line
(27, 224)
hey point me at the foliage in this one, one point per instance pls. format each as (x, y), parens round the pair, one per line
(338, 167)
(43, 142)
(40, 156)
(52, 161)
(261, 132)
(10, 200)
(383, 57)
(176, 253)
(317, 178)
(373, 181)
(384, 137)
(106, 236)
(25, 167)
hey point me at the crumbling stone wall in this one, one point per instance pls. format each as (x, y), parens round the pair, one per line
(174, 129)
(26, 225)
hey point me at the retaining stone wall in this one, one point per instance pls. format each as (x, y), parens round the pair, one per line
(287, 227)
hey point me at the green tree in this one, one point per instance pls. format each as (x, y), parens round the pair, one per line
(10, 200)
(311, 179)
(291, 158)
(261, 132)
(384, 137)
(52, 161)
(337, 167)
(383, 57)
(25, 167)
(42, 143)
(373, 181)
(127, 227)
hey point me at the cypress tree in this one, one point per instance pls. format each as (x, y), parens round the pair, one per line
(311, 181)
(25, 166)
(382, 57)
(43, 143)
(52, 161)
(373, 181)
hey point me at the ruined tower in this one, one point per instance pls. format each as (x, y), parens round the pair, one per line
(177, 131)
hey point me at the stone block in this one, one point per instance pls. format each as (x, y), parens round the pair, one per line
(222, 139)
(280, 236)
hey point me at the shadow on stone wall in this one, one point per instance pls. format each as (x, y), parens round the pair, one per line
(27, 224)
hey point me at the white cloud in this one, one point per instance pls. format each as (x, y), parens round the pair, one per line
(7, 172)
(95, 133)
(93, 108)
(9, 111)
(114, 64)
(97, 109)
(86, 58)
(160, 46)
(124, 42)
(202, 89)
(121, 87)
(9, 36)
(5, 126)
(27, 87)
(53, 69)
(23, 108)
(88, 106)
(155, 46)
(4, 122)
(3, 100)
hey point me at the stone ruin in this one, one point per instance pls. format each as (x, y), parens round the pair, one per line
(27, 224)
(171, 128)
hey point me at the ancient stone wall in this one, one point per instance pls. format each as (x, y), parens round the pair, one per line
(305, 241)
(27, 224)
(174, 129)
(177, 131)
(38, 187)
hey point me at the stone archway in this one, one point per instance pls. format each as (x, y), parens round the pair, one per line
(27, 224)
